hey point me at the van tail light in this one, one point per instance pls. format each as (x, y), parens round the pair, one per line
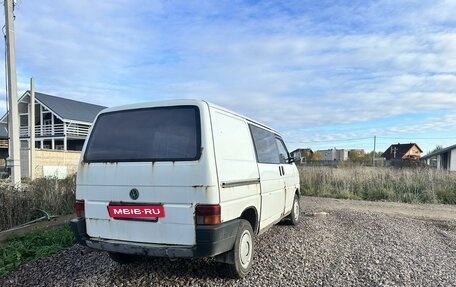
(79, 208)
(208, 214)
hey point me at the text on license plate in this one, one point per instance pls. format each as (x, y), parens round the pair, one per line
(136, 211)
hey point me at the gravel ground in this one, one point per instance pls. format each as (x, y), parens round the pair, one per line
(356, 244)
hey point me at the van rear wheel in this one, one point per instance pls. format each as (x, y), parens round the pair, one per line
(242, 252)
(123, 258)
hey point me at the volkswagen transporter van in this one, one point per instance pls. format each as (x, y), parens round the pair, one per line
(182, 179)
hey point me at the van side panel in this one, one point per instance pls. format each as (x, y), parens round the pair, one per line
(272, 194)
(236, 164)
(291, 178)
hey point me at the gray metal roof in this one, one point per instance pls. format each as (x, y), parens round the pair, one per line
(70, 109)
(443, 150)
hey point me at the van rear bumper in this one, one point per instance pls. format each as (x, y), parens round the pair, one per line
(211, 240)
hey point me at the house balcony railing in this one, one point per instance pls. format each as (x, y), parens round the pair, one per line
(77, 130)
(69, 129)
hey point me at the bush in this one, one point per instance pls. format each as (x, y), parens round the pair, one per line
(447, 195)
(406, 185)
(20, 205)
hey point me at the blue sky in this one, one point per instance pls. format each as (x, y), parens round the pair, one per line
(324, 73)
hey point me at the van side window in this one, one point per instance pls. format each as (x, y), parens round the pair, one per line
(265, 145)
(283, 153)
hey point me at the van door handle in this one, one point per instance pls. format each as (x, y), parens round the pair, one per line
(281, 171)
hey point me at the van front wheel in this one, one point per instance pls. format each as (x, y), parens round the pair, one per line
(242, 252)
(295, 210)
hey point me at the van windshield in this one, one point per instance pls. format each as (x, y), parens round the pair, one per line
(150, 134)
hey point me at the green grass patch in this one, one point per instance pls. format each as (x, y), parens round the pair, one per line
(33, 245)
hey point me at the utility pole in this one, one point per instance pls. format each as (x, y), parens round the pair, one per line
(373, 155)
(32, 128)
(13, 118)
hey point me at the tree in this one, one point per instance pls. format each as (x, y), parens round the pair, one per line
(316, 156)
(356, 154)
(437, 148)
(368, 156)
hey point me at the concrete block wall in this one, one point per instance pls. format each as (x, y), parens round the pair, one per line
(50, 159)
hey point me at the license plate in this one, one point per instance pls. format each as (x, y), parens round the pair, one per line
(136, 211)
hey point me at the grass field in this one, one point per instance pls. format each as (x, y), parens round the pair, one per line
(420, 185)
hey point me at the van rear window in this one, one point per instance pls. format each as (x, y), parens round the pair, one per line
(151, 134)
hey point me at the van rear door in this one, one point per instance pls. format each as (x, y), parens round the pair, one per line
(143, 172)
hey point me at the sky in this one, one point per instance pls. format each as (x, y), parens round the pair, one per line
(323, 73)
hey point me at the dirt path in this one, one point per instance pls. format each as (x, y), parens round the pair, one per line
(35, 226)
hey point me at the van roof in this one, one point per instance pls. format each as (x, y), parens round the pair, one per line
(178, 103)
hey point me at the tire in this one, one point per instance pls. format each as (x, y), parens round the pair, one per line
(242, 252)
(295, 211)
(122, 258)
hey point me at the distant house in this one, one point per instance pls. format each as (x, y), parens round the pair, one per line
(403, 151)
(445, 158)
(302, 154)
(60, 123)
(334, 154)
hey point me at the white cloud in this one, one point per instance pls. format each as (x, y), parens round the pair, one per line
(287, 64)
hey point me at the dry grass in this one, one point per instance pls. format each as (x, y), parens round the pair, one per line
(405, 185)
(391, 184)
(18, 206)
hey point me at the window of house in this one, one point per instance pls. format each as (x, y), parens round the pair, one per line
(24, 144)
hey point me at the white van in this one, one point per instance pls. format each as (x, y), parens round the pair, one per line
(182, 178)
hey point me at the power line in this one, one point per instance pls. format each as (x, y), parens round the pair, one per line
(370, 138)
(415, 138)
(330, 141)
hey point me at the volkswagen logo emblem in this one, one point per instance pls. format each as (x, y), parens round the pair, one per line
(134, 194)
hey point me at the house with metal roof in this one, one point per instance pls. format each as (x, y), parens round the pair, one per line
(403, 151)
(445, 158)
(301, 155)
(60, 124)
